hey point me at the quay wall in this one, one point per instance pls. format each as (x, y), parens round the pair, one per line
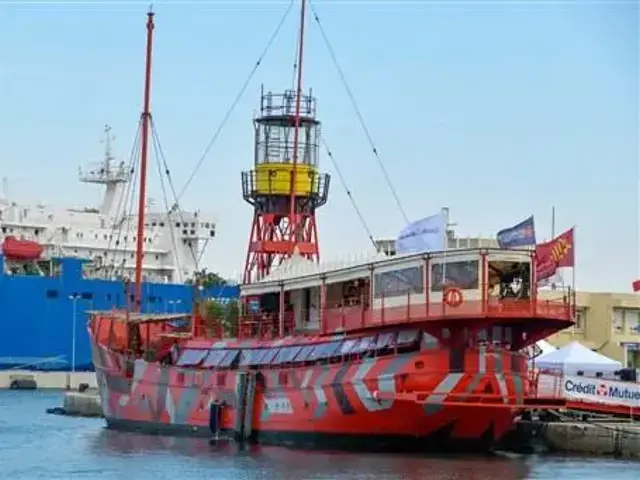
(48, 380)
(590, 438)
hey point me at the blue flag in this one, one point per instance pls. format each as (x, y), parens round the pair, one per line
(520, 235)
(426, 235)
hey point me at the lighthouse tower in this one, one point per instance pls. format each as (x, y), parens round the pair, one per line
(284, 187)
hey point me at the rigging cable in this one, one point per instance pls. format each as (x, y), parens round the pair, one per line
(160, 156)
(357, 111)
(175, 208)
(236, 101)
(346, 188)
(157, 149)
(121, 212)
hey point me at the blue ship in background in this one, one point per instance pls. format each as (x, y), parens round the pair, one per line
(37, 313)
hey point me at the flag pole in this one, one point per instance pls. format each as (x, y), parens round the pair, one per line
(445, 214)
(447, 224)
(573, 270)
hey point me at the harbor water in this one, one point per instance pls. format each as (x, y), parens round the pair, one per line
(35, 445)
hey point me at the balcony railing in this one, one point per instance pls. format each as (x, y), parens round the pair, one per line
(407, 311)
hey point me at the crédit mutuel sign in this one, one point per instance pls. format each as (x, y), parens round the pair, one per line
(602, 391)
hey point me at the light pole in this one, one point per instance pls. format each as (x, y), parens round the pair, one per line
(74, 298)
(173, 305)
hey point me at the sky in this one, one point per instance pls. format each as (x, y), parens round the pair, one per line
(497, 110)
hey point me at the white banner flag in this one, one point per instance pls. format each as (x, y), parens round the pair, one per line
(426, 235)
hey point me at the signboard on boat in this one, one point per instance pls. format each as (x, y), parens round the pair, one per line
(595, 390)
(278, 405)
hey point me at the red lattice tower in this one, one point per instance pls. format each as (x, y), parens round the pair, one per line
(284, 188)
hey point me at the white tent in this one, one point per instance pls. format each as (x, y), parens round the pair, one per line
(545, 347)
(576, 357)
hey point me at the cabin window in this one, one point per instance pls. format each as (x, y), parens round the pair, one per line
(190, 358)
(250, 357)
(291, 354)
(399, 282)
(347, 345)
(269, 356)
(385, 340)
(509, 279)
(286, 355)
(464, 275)
(229, 358)
(259, 356)
(508, 334)
(213, 360)
(305, 353)
(407, 337)
(325, 351)
(365, 344)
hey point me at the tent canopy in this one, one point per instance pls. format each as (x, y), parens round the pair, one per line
(545, 347)
(576, 357)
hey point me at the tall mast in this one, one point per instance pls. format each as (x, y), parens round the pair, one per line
(296, 132)
(146, 115)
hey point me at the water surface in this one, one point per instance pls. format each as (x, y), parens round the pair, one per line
(34, 445)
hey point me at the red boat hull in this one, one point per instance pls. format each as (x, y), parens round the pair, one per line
(336, 406)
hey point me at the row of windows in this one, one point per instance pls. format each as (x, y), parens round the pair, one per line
(84, 296)
(462, 274)
(225, 358)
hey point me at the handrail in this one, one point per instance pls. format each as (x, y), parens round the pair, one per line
(363, 313)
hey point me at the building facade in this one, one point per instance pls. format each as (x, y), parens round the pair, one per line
(608, 323)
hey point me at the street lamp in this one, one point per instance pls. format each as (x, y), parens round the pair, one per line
(173, 305)
(74, 298)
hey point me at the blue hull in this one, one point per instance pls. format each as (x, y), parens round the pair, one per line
(37, 314)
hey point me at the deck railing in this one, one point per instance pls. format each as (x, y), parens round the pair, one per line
(362, 314)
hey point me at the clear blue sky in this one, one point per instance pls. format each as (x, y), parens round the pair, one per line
(497, 110)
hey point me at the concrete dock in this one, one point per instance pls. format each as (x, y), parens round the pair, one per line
(594, 438)
(85, 404)
(28, 379)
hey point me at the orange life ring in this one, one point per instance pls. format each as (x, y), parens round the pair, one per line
(453, 297)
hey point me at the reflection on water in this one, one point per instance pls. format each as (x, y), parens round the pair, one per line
(34, 445)
(227, 460)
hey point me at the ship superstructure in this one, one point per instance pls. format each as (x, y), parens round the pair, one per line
(105, 236)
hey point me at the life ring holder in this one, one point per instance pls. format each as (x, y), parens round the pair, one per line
(453, 297)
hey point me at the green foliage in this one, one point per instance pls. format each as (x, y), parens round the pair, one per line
(216, 313)
(207, 279)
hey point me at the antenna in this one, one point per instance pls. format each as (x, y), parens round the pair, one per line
(108, 156)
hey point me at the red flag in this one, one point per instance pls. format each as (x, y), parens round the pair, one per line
(555, 254)
(636, 286)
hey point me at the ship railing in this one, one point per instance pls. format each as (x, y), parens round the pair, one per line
(358, 314)
(264, 327)
(388, 310)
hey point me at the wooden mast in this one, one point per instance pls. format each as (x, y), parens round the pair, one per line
(146, 117)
